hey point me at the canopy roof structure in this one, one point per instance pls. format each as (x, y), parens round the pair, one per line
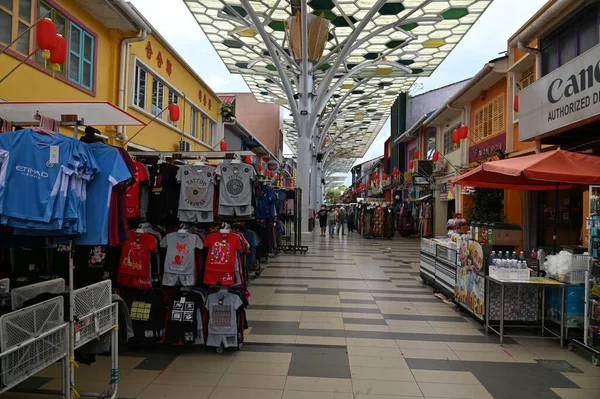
(400, 42)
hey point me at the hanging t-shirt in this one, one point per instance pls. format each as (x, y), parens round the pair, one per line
(147, 312)
(181, 252)
(222, 257)
(133, 191)
(184, 321)
(197, 189)
(236, 183)
(164, 193)
(222, 323)
(99, 190)
(265, 203)
(134, 267)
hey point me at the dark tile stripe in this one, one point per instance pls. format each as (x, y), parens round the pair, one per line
(372, 322)
(394, 299)
(256, 284)
(313, 308)
(423, 317)
(325, 278)
(358, 301)
(290, 292)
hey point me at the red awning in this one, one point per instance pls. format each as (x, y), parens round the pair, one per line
(545, 171)
(227, 99)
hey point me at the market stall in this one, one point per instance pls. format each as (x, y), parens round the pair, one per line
(553, 170)
(438, 263)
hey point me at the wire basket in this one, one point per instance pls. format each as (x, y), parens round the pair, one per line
(32, 339)
(580, 262)
(95, 314)
(22, 294)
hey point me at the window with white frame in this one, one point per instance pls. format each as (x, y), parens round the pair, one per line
(203, 129)
(139, 96)
(194, 123)
(158, 90)
(213, 133)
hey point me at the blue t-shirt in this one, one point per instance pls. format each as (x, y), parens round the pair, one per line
(30, 171)
(113, 170)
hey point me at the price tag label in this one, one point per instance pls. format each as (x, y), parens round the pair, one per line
(54, 154)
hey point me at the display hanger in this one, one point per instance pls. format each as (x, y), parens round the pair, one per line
(225, 228)
(182, 229)
(90, 135)
(200, 162)
(161, 159)
(236, 159)
(143, 227)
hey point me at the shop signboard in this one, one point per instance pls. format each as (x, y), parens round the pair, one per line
(469, 290)
(568, 95)
(487, 148)
(446, 191)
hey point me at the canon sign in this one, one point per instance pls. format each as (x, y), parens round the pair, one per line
(568, 95)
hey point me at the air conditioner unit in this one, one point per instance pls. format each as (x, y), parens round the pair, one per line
(422, 168)
(441, 165)
(184, 146)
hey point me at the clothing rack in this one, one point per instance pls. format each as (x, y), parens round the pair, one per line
(296, 232)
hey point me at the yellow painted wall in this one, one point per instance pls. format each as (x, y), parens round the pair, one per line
(32, 83)
(162, 135)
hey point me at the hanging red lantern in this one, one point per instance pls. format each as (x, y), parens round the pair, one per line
(516, 103)
(463, 132)
(260, 169)
(416, 154)
(223, 145)
(248, 159)
(411, 164)
(455, 136)
(396, 172)
(385, 176)
(58, 55)
(436, 156)
(45, 37)
(173, 112)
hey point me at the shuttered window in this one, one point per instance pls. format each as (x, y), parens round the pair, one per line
(490, 119)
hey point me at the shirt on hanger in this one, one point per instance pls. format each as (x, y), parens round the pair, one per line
(99, 190)
(222, 257)
(197, 187)
(134, 266)
(184, 321)
(236, 183)
(222, 323)
(181, 252)
(133, 191)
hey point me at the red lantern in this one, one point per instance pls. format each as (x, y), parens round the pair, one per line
(411, 164)
(396, 172)
(259, 169)
(436, 156)
(45, 37)
(416, 154)
(223, 145)
(173, 112)
(248, 159)
(463, 132)
(385, 176)
(455, 136)
(516, 103)
(58, 55)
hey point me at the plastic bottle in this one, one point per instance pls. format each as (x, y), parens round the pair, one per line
(500, 255)
(514, 255)
(522, 257)
(492, 258)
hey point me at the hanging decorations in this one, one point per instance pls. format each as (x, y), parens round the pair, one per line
(516, 103)
(463, 132)
(385, 176)
(223, 145)
(396, 172)
(248, 159)
(436, 156)
(416, 154)
(173, 112)
(58, 55)
(45, 37)
(455, 137)
(411, 164)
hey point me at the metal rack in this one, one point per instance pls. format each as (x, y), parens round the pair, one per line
(295, 242)
(591, 275)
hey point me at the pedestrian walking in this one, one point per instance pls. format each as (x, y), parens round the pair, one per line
(341, 221)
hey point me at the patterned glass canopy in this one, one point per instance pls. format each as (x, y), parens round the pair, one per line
(417, 34)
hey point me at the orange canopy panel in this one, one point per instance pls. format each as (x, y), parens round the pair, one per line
(545, 171)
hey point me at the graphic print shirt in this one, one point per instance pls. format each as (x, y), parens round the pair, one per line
(222, 257)
(222, 322)
(181, 252)
(197, 187)
(184, 321)
(135, 259)
(236, 183)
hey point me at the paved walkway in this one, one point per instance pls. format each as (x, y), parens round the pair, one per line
(350, 320)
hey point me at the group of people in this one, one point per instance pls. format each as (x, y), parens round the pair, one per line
(336, 219)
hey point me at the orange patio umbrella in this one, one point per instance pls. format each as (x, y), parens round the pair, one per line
(552, 170)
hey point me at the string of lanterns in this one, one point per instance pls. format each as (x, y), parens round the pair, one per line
(52, 44)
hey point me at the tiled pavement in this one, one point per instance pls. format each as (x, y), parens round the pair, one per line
(348, 320)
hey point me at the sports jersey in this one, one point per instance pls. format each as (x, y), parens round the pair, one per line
(222, 258)
(184, 320)
(133, 191)
(29, 166)
(197, 189)
(222, 322)
(99, 190)
(181, 257)
(147, 311)
(134, 266)
(236, 183)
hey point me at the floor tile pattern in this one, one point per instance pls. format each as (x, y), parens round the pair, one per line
(351, 319)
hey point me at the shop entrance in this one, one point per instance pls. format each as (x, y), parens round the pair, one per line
(569, 217)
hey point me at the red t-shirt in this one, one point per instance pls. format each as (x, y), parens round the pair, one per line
(134, 266)
(133, 191)
(222, 252)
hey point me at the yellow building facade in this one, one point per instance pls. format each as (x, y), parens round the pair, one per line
(111, 49)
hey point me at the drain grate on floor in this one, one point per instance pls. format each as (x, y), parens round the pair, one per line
(561, 366)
